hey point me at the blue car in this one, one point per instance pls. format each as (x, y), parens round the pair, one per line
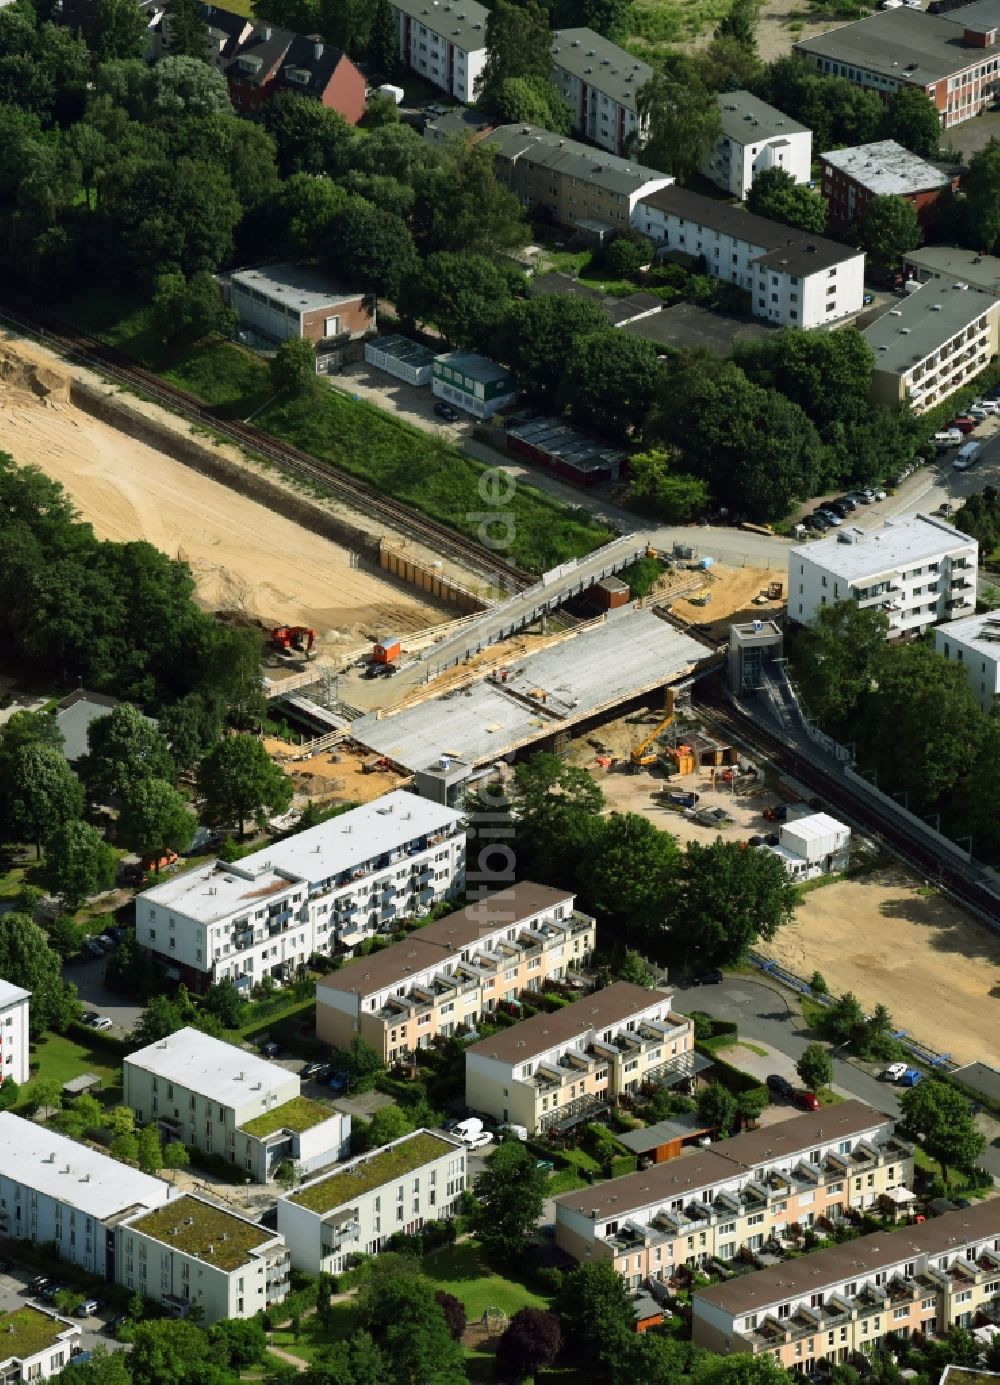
(338, 1082)
(910, 1077)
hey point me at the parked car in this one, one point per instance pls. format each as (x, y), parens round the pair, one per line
(338, 1081)
(313, 1070)
(910, 1077)
(949, 437)
(850, 503)
(819, 521)
(831, 516)
(478, 1141)
(520, 1132)
(101, 1022)
(708, 978)
(95, 948)
(270, 1049)
(963, 423)
(880, 494)
(39, 1283)
(107, 942)
(110, 1328)
(447, 411)
(893, 1072)
(838, 508)
(88, 1308)
(808, 1101)
(116, 933)
(780, 1086)
(90, 1016)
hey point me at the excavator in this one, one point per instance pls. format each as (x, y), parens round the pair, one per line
(645, 753)
(293, 641)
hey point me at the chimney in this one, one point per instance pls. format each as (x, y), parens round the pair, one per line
(317, 51)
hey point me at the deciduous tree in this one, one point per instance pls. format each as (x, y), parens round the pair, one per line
(681, 116)
(939, 1118)
(717, 1108)
(239, 780)
(836, 659)
(154, 818)
(532, 1341)
(119, 30)
(124, 748)
(518, 44)
(536, 336)
(595, 1309)
(80, 862)
(532, 101)
(387, 1124)
(610, 381)
(42, 793)
(377, 246)
(776, 195)
(509, 1194)
(462, 295)
(889, 228)
(913, 121)
(149, 1151)
(659, 488)
(728, 899)
(815, 1067)
(293, 369)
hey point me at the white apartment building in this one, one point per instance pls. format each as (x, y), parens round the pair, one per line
(599, 82)
(555, 1068)
(323, 890)
(354, 1210)
(445, 41)
(917, 569)
(192, 1253)
(794, 279)
(755, 136)
(442, 979)
(975, 644)
(216, 1097)
(737, 1196)
(14, 1050)
(35, 1345)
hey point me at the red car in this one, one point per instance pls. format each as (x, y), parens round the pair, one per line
(963, 424)
(809, 1101)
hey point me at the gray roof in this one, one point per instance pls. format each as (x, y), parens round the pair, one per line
(463, 121)
(461, 22)
(921, 322)
(981, 1078)
(906, 45)
(544, 1031)
(403, 349)
(748, 120)
(980, 18)
(600, 63)
(298, 288)
(663, 1132)
(558, 439)
(74, 715)
(472, 364)
(980, 632)
(886, 169)
(958, 265)
(573, 159)
(690, 324)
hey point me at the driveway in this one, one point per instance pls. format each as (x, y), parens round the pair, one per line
(88, 977)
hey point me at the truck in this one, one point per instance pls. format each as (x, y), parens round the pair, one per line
(677, 798)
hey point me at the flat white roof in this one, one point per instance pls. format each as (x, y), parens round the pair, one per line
(980, 632)
(886, 168)
(215, 892)
(897, 544)
(11, 995)
(211, 1067)
(815, 825)
(72, 1173)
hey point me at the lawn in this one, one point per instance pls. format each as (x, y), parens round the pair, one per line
(656, 25)
(60, 1057)
(578, 264)
(313, 1339)
(461, 1270)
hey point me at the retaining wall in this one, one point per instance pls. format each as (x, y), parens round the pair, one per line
(428, 579)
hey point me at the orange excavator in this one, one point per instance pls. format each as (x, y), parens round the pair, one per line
(293, 641)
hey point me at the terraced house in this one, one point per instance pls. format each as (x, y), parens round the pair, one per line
(218, 1098)
(555, 1069)
(764, 1187)
(846, 1299)
(446, 976)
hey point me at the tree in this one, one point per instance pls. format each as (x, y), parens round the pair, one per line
(627, 254)
(981, 186)
(162, 1016)
(462, 295)
(740, 1370)
(42, 793)
(844, 1021)
(150, 1151)
(80, 863)
(175, 1155)
(532, 101)
(120, 1120)
(509, 1193)
(376, 245)
(728, 899)
(187, 86)
(815, 1068)
(239, 780)
(119, 30)
(658, 489)
(310, 137)
(387, 1124)
(631, 877)
(889, 228)
(462, 205)
(188, 31)
(186, 310)
(827, 374)
(750, 1105)
(536, 335)
(681, 116)
(401, 1312)
(225, 1002)
(383, 41)
(635, 970)
(10, 1093)
(938, 1117)
(775, 194)
(123, 748)
(243, 1342)
(610, 381)
(518, 44)
(154, 818)
(532, 1341)
(454, 1312)
(125, 1148)
(285, 1175)
(740, 24)
(363, 1064)
(191, 727)
(293, 369)
(26, 960)
(595, 1310)
(717, 1109)
(171, 1351)
(912, 121)
(837, 657)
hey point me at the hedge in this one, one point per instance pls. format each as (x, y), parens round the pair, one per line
(733, 1079)
(622, 1164)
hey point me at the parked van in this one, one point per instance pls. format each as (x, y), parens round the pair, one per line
(949, 437)
(967, 456)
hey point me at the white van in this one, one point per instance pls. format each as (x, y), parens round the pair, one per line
(948, 437)
(967, 456)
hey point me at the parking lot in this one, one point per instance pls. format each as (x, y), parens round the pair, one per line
(15, 1293)
(88, 977)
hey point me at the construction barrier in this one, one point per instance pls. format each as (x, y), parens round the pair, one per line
(428, 579)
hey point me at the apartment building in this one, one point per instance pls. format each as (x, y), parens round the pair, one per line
(755, 137)
(736, 1197)
(192, 1253)
(600, 83)
(557, 1068)
(416, 1179)
(590, 192)
(846, 1299)
(794, 279)
(323, 890)
(284, 300)
(852, 177)
(445, 41)
(932, 264)
(14, 1050)
(220, 1099)
(932, 343)
(975, 644)
(918, 569)
(263, 60)
(445, 977)
(35, 1345)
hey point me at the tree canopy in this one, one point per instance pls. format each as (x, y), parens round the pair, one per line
(26, 960)
(239, 780)
(775, 194)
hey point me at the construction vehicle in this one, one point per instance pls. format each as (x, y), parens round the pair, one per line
(293, 641)
(645, 754)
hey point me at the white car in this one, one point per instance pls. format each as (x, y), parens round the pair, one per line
(101, 1022)
(894, 1072)
(986, 406)
(879, 494)
(478, 1141)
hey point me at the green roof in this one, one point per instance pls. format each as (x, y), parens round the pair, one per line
(372, 1171)
(206, 1232)
(27, 1331)
(298, 1114)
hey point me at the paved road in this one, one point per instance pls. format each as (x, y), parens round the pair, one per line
(88, 977)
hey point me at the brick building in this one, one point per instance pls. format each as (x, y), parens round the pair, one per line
(852, 177)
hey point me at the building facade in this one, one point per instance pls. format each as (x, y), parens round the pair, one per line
(416, 1179)
(323, 890)
(215, 1097)
(445, 977)
(755, 137)
(192, 1253)
(473, 383)
(263, 59)
(975, 644)
(600, 83)
(554, 1067)
(794, 280)
(14, 1044)
(444, 42)
(852, 177)
(285, 300)
(847, 1299)
(918, 569)
(814, 845)
(728, 1201)
(35, 1345)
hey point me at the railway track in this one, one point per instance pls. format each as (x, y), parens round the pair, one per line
(52, 331)
(904, 841)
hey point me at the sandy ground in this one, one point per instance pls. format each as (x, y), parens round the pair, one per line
(731, 592)
(244, 557)
(775, 32)
(333, 775)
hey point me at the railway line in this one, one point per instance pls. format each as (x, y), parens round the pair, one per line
(52, 331)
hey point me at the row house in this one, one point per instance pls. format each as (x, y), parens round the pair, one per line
(846, 1299)
(445, 977)
(554, 1069)
(727, 1202)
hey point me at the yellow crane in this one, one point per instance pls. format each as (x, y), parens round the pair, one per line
(644, 755)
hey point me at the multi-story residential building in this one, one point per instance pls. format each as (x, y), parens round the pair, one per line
(852, 177)
(794, 279)
(975, 644)
(595, 194)
(931, 343)
(35, 1345)
(261, 61)
(54, 1191)
(951, 58)
(14, 1050)
(569, 1064)
(754, 137)
(225, 1101)
(951, 264)
(322, 890)
(192, 1253)
(284, 300)
(600, 83)
(848, 1298)
(446, 976)
(444, 42)
(918, 569)
(735, 1197)
(416, 1179)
